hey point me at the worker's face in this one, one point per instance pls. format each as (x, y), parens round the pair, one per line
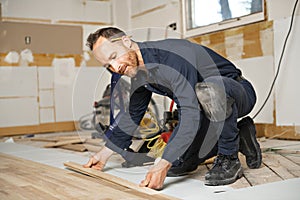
(117, 56)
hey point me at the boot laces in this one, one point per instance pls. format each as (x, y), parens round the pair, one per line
(222, 161)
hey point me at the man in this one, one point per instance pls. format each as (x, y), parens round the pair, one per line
(210, 94)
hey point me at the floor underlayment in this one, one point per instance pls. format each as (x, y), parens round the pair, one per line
(182, 187)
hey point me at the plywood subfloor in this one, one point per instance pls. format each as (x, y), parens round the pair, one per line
(24, 179)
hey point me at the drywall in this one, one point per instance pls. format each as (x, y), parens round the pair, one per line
(287, 91)
(260, 72)
(57, 10)
(149, 21)
(278, 10)
(88, 87)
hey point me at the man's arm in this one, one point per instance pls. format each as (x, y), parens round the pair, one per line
(119, 138)
(182, 85)
(185, 132)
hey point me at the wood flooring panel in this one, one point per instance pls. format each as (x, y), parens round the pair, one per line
(292, 157)
(114, 179)
(260, 176)
(75, 147)
(24, 179)
(279, 165)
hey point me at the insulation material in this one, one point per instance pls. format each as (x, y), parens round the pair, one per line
(26, 57)
(19, 112)
(64, 77)
(12, 57)
(46, 77)
(18, 82)
(46, 98)
(47, 115)
(64, 70)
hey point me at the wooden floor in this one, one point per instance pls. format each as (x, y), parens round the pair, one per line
(24, 179)
(281, 161)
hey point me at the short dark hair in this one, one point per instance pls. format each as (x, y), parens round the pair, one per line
(109, 33)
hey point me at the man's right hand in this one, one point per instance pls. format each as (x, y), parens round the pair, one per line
(99, 160)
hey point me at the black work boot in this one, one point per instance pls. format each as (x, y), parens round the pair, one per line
(226, 170)
(182, 168)
(248, 143)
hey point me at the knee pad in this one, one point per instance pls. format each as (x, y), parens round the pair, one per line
(216, 104)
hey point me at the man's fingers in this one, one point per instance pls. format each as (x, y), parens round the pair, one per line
(146, 181)
(98, 166)
(89, 164)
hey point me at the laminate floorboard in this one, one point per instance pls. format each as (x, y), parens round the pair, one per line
(24, 179)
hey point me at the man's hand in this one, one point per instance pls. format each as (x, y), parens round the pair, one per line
(99, 160)
(156, 175)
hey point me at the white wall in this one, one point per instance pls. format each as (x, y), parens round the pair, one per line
(146, 19)
(57, 10)
(260, 70)
(150, 19)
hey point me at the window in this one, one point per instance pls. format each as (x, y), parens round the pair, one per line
(202, 16)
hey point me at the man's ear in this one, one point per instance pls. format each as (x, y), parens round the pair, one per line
(126, 41)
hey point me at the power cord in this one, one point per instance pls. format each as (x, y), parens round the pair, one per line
(280, 60)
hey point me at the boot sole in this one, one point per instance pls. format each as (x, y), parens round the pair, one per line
(237, 175)
(254, 144)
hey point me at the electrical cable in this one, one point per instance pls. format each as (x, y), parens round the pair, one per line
(280, 60)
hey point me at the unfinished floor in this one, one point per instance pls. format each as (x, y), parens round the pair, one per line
(281, 163)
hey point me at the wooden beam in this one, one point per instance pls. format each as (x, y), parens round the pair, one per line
(278, 132)
(41, 128)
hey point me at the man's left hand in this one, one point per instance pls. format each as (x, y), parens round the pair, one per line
(156, 175)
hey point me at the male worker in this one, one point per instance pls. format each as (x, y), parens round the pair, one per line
(210, 94)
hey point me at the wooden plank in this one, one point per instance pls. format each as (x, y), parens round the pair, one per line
(42, 139)
(273, 131)
(108, 177)
(278, 163)
(41, 128)
(282, 162)
(63, 142)
(116, 180)
(294, 158)
(74, 147)
(40, 181)
(260, 176)
(92, 148)
(96, 142)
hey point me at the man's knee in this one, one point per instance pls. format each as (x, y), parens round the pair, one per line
(217, 105)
